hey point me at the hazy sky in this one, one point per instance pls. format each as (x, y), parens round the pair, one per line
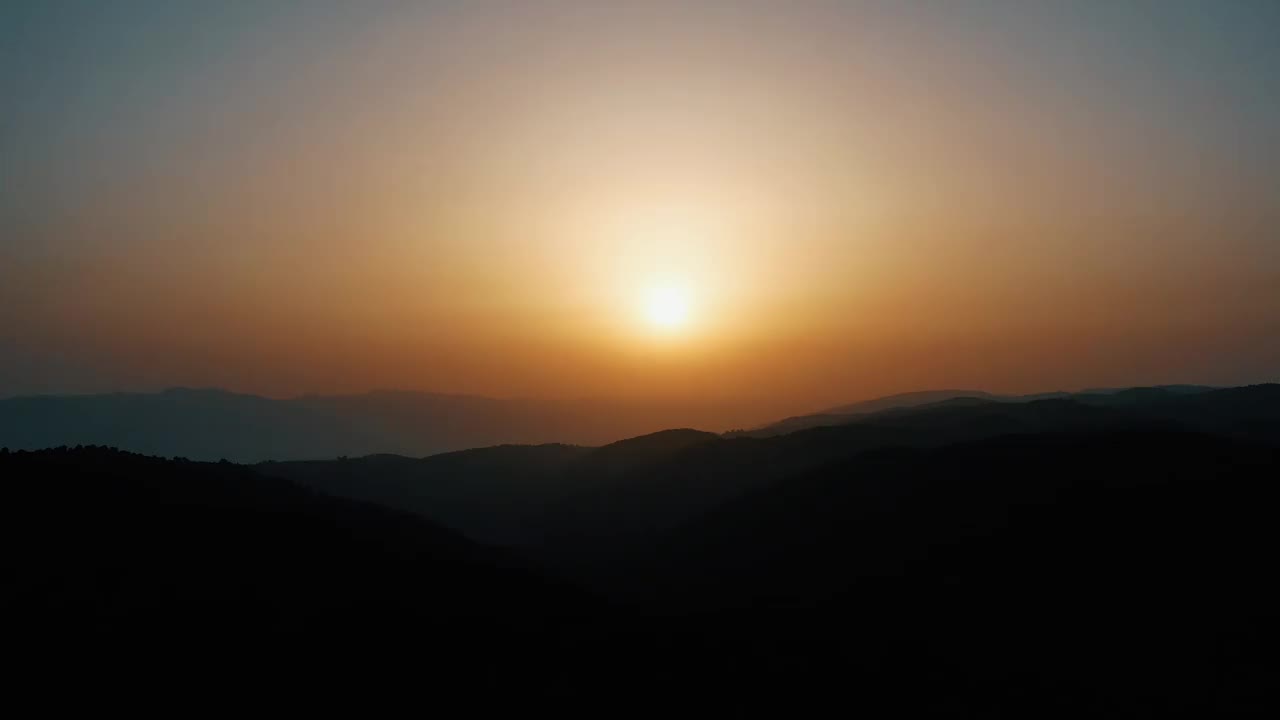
(850, 198)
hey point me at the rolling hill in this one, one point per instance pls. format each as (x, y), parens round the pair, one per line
(575, 504)
(1102, 553)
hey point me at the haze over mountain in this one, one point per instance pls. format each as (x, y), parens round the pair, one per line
(214, 424)
(850, 413)
(210, 424)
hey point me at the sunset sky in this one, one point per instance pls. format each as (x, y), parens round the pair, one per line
(787, 204)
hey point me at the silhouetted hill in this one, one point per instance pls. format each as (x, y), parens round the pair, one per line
(1058, 557)
(646, 450)
(567, 502)
(214, 424)
(910, 399)
(488, 493)
(1165, 389)
(1094, 554)
(102, 541)
(501, 494)
(1097, 496)
(860, 411)
(1075, 573)
(846, 413)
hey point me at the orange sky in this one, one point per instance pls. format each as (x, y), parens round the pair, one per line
(856, 199)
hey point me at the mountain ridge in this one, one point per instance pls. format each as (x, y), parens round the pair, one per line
(213, 423)
(967, 553)
(843, 414)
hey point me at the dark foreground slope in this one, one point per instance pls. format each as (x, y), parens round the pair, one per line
(566, 503)
(1120, 571)
(100, 541)
(522, 495)
(1048, 558)
(1033, 560)
(1122, 509)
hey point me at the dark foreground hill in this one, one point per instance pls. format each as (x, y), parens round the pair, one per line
(1077, 574)
(1055, 558)
(118, 560)
(567, 503)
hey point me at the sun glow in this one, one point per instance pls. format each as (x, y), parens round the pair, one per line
(667, 308)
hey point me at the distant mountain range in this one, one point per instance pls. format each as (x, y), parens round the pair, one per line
(850, 413)
(212, 424)
(208, 424)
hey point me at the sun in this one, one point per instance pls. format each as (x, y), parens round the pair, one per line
(667, 308)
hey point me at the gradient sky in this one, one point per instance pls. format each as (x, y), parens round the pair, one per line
(857, 197)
